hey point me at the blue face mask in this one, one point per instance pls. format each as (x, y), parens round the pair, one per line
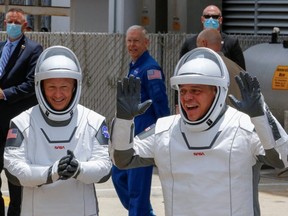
(14, 30)
(211, 23)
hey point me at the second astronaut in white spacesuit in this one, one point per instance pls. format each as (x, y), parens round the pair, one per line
(58, 149)
(205, 155)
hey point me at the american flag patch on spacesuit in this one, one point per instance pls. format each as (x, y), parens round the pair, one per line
(154, 74)
(12, 133)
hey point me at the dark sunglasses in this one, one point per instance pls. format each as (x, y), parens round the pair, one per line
(213, 16)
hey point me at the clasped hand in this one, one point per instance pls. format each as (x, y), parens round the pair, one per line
(129, 98)
(68, 166)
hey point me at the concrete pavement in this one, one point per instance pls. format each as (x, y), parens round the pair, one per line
(273, 195)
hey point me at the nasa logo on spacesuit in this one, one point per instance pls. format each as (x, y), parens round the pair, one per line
(105, 132)
(59, 147)
(199, 154)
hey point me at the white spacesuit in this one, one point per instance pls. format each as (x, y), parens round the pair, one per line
(205, 166)
(41, 136)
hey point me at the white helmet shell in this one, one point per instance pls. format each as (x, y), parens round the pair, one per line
(206, 67)
(57, 62)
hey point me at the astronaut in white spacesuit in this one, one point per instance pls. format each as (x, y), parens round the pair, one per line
(206, 154)
(58, 149)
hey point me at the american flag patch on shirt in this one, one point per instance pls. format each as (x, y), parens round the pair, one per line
(12, 133)
(154, 74)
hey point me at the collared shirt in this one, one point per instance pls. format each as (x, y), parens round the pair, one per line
(14, 44)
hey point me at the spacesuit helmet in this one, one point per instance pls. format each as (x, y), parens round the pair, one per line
(202, 66)
(57, 62)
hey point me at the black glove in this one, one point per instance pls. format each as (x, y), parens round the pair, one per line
(252, 100)
(68, 166)
(129, 98)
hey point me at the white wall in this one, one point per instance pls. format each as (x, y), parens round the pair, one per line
(124, 13)
(189, 13)
(177, 9)
(89, 15)
(60, 24)
(115, 16)
(147, 9)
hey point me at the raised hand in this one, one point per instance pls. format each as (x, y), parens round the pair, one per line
(129, 98)
(252, 102)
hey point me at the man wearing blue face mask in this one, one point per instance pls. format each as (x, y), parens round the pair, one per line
(212, 18)
(211, 22)
(17, 64)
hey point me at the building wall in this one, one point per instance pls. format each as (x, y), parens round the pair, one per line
(125, 13)
(115, 16)
(89, 16)
(60, 24)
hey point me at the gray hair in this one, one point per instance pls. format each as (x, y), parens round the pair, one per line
(138, 27)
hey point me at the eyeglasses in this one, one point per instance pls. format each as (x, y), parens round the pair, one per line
(213, 16)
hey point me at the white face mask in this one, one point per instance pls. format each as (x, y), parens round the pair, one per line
(14, 30)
